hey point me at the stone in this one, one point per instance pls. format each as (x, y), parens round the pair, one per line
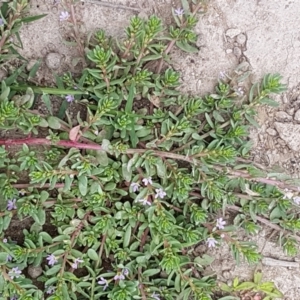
(241, 39)
(271, 131)
(53, 60)
(34, 272)
(3, 74)
(233, 32)
(290, 133)
(297, 116)
(30, 64)
(228, 51)
(237, 51)
(291, 111)
(226, 274)
(283, 116)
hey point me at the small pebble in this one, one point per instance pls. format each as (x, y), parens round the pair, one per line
(30, 64)
(226, 274)
(241, 39)
(228, 51)
(53, 60)
(3, 74)
(237, 51)
(232, 32)
(34, 272)
(297, 115)
(271, 131)
(283, 116)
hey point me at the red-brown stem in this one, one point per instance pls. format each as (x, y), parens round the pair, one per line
(141, 286)
(264, 221)
(46, 142)
(74, 235)
(70, 144)
(143, 239)
(27, 185)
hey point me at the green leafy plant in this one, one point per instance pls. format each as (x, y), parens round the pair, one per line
(117, 199)
(11, 19)
(262, 290)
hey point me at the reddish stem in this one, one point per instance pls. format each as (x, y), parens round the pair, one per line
(46, 142)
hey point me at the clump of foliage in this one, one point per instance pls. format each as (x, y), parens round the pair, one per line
(118, 200)
(256, 289)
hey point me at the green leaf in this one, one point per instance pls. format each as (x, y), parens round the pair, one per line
(40, 217)
(127, 236)
(257, 277)
(53, 122)
(133, 137)
(102, 158)
(54, 270)
(253, 91)
(44, 196)
(151, 272)
(82, 184)
(269, 102)
(92, 254)
(129, 100)
(217, 116)
(3, 258)
(245, 286)
(34, 69)
(252, 121)
(209, 121)
(186, 6)
(46, 99)
(33, 18)
(276, 213)
(186, 47)
(224, 287)
(110, 186)
(205, 260)
(46, 237)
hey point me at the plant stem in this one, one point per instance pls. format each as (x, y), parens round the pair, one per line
(263, 220)
(227, 170)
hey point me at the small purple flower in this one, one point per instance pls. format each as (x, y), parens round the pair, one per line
(179, 12)
(14, 297)
(155, 296)
(51, 260)
(147, 181)
(211, 242)
(135, 186)
(288, 194)
(296, 200)
(103, 282)
(69, 98)
(64, 15)
(1, 22)
(9, 258)
(239, 91)
(14, 273)
(125, 272)
(220, 223)
(50, 290)
(4, 241)
(76, 262)
(144, 201)
(119, 276)
(11, 204)
(160, 193)
(222, 75)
